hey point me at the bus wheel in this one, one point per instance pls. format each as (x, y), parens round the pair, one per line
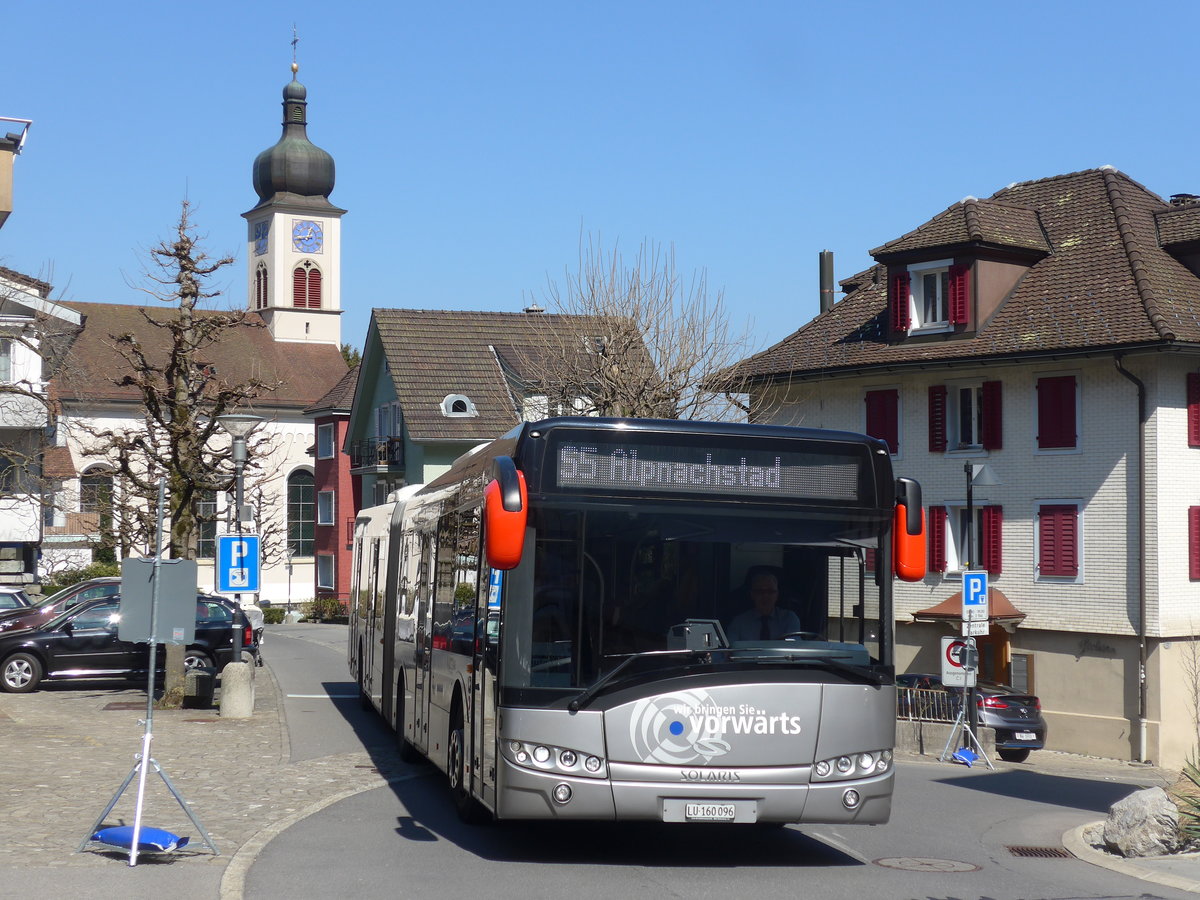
(468, 809)
(408, 752)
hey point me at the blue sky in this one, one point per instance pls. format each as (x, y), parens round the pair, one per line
(476, 142)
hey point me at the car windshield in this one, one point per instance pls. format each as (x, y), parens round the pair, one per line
(604, 587)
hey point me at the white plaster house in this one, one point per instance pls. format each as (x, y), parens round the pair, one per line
(1052, 333)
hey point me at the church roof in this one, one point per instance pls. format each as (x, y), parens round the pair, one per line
(92, 369)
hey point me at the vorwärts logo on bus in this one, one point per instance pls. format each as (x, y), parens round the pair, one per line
(691, 727)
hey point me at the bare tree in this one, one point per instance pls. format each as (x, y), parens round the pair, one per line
(658, 344)
(181, 396)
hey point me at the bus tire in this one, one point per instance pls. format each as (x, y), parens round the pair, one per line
(407, 750)
(468, 809)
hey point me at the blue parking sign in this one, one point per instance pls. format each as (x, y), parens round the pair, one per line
(237, 563)
(975, 595)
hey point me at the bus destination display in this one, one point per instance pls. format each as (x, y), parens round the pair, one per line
(676, 469)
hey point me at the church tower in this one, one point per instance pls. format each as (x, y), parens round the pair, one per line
(294, 234)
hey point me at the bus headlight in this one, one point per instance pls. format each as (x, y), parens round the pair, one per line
(551, 759)
(853, 765)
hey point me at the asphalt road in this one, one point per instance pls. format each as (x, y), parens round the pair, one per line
(955, 832)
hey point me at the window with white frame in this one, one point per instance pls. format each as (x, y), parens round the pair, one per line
(325, 507)
(5, 359)
(325, 571)
(325, 436)
(965, 414)
(930, 286)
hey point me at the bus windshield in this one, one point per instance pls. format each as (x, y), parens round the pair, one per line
(607, 582)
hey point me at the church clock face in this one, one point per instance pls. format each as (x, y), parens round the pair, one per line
(261, 232)
(307, 236)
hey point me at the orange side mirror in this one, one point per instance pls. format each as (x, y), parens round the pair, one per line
(908, 550)
(505, 510)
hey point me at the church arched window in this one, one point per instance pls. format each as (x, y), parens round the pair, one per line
(306, 286)
(260, 286)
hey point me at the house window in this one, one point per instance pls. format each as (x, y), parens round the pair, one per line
(306, 286)
(325, 571)
(52, 514)
(1057, 413)
(1058, 544)
(325, 436)
(965, 417)
(206, 525)
(457, 405)
(325, 507)
(300, 513)
(929, 296)
(5, 359)
(883, 417)
(96, 491)
(948, 536)
(1020, 675)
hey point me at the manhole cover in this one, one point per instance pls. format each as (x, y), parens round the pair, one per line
(925, 864)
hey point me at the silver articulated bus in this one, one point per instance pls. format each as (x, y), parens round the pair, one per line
(559, 622)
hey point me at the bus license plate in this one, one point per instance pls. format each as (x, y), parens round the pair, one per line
(1026, 736)
(710, 812)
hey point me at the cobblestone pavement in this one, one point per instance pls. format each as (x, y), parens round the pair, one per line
(64, 752)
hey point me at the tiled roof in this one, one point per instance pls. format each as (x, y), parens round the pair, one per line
(433, 353)
(972, 221)
(58, 464)
(306, 372)
(341, 396)
(1106, 283)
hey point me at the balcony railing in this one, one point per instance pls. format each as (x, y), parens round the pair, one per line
(385, 452)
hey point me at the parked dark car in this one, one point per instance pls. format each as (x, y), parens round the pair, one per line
(82, 643)
(1014, 716)
(59, 602)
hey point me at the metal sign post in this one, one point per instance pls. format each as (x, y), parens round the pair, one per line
(960, 661)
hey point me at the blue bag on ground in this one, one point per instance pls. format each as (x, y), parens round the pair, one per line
(150, 840)
(965, 755)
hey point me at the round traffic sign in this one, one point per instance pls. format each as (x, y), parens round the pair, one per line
(954, 651)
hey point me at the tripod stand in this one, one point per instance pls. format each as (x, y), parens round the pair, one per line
(962, 731)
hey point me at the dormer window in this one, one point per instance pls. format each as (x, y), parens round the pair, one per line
(930, 297)
(458, 406)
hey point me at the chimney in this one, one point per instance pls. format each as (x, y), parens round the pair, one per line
(1183, 199)
(826, 280)
(532, 309)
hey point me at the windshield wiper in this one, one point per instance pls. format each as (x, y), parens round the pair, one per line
(836, 665)
(587, 695)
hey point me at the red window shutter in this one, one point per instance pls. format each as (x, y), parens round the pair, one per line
(937, 539)
(1194, 543)
(883, 417)
(869, 560)
(1056, 412)
(937, 418)
(993, 519)
(1193, 409)
(1058, 540)
(960, 294)
(299, 288)
(898, 289)
(314, 289)
(991, 430)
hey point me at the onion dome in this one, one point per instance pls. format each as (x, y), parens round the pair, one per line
(294, 166)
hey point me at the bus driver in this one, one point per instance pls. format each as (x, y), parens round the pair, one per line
(765, 621)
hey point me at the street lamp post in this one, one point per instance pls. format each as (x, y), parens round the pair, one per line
(239, 426)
